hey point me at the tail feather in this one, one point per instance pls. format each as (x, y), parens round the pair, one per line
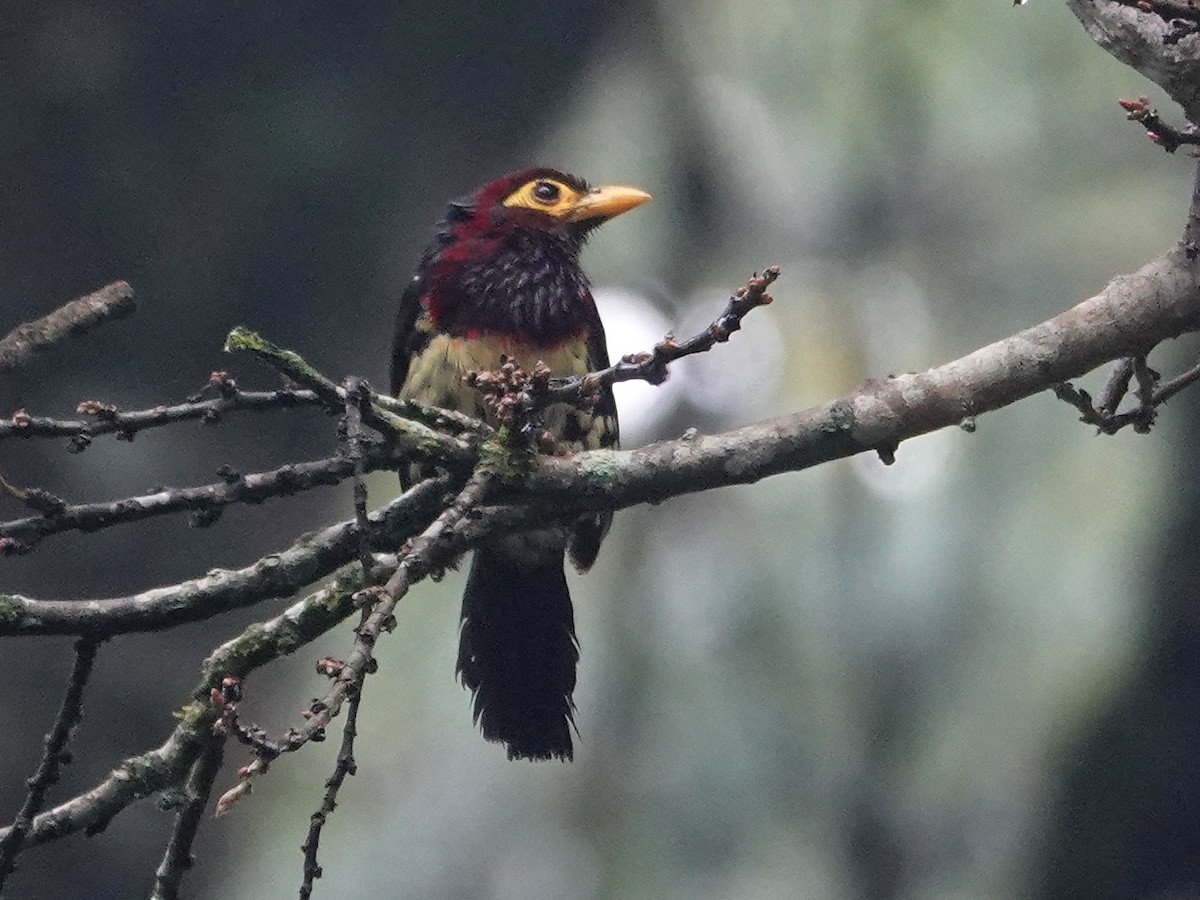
(517, 652)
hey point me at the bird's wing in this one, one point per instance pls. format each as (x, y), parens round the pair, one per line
(597, 358)
(407, 339)
(588, 532)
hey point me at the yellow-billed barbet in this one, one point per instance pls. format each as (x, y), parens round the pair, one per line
(502, 279)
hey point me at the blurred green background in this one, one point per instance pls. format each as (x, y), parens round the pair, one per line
(969, 675)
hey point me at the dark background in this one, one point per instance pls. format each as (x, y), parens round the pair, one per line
(971, 674)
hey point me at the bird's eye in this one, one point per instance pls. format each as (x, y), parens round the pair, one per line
(545, 192)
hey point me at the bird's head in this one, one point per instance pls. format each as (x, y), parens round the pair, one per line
(505, 260)
(542, 199)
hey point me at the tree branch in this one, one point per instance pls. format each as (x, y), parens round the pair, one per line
(1158, 130)
(428, 552)
(165, 766)
(55, 754)
(1145, 41)
(410, 436)
(1133, 314)
(432, 549)
(110, 302)
(20, 535)
(1129, 317)
(281, 574)
(177, 858)
(135, 778)
(652, 366)
(344, 766)
(106, 419)
(303, 622)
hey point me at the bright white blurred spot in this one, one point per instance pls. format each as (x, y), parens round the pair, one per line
(897, 323)
(922, 464)
(632, 324)
(734, 381)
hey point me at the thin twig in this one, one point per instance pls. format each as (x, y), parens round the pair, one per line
(411, 436)
(1168, 389)
(447, 420)
(344, 766)
(107, 419)
(1116, 387)
(1166, 136)
(110, 302)
(652, 366)
(1151, 391)
(288, 362)
(53, 756)
(1089, 414)
(177, 858)
(204, 501)
(1147, 380)
(429, 551)
(358, 395)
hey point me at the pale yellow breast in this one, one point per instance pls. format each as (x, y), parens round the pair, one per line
(435, 375)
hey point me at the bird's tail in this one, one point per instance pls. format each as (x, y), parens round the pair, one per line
(517, 652)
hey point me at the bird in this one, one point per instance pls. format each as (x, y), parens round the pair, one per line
(501, 281)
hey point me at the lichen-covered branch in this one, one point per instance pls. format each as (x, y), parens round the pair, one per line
(1126, 320)
(281, 574)
(137, 777)
(1133, 314)
(427, 552)
(177, 858)
(411, 436)
(166, 766)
